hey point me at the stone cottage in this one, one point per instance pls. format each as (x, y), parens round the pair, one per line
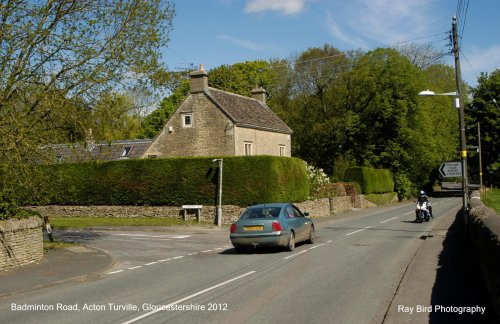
(211, 122)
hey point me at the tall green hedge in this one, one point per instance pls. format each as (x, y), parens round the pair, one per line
(175, 181)
(370, 180)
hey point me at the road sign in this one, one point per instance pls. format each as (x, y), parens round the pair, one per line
(451, 169)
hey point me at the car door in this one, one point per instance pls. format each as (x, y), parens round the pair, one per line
(297, 220)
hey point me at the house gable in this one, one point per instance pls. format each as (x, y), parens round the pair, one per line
(212, 122)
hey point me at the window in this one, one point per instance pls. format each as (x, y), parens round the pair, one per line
(248, 148)
(187, 120)
(126, 152)
(282, 150)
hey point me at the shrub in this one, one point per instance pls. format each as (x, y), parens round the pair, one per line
(370, 180)
(176, 181)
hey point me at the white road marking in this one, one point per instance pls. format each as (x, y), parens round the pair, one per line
(316, 246)
(293, 255)
(193, 253)
(187, 298)
(206, 251)
(359, 230)
(153, 236)
(164, 260)
(150, 263)
(117, 271)
(135, 267)
(388, 220)
(177, 257)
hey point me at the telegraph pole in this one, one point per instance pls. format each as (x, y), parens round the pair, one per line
(463, 146)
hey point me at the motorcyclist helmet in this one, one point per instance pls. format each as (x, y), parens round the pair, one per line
(422, 193)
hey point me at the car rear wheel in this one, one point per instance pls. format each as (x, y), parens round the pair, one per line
(291, 242)
(312, 236)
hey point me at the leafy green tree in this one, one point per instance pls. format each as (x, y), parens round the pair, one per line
(397, 129)
(484, 109)
(154, 122)
(113, 118)
(241, 78)
(58, 57)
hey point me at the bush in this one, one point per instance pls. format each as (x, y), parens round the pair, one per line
(176, 181)
(403, 186)
(8, 207)
(371, 180)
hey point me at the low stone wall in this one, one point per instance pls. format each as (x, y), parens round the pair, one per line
(21, 242)
(316, 208)
(484, 234)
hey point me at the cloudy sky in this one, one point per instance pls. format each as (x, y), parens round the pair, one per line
(216, 32)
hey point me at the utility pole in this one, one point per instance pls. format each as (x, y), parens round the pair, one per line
(463, 146)
(480, 159)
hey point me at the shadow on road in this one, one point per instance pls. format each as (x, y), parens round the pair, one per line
(77, 237)
(458, 281)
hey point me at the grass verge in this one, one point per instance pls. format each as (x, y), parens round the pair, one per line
(81, 222)
(492, 199)
(55, 245)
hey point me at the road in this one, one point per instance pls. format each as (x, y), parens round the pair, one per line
(349, 275)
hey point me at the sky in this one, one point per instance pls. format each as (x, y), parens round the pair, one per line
(218, 32)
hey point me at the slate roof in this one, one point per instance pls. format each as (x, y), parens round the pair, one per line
(247, 112)
(102, 151)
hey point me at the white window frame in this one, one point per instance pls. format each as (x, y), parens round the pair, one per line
(187, 125)
(126, 152)
(248, 148)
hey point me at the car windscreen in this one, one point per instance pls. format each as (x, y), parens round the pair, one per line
(261, 212)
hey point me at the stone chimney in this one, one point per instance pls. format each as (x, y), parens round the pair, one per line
(199, 80)
(258, 93)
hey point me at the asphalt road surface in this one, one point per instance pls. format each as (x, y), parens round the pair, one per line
(349, 275)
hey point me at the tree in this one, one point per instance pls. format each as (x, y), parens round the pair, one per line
(154, 122)
(484, 109)
(58, 56)
(113, 118)
(398, 130)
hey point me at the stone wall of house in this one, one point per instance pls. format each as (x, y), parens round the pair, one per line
(21, 242)
(263, 142)
(210, 134)
(316, 208)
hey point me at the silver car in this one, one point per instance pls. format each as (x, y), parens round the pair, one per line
(280, 224)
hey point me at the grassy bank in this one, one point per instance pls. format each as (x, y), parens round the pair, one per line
(81, 222)
(492, 199)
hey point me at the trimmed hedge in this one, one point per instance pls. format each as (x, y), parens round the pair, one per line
(371, 180)
(176, 181)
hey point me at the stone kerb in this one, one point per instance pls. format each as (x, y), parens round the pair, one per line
(21, 242)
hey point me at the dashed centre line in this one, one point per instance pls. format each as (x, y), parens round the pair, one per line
(359, 230)
(169, 259)
(387, 220)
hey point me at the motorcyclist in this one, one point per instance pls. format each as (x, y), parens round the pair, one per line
(423, 198)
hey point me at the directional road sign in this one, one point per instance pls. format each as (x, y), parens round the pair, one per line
(451, 169)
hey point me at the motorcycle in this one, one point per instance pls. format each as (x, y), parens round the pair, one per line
(423, 213)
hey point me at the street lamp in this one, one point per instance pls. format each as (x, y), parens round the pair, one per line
(219, 208)
(463, 150)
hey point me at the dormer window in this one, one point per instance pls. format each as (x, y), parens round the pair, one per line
(187, 120)
(126, 152)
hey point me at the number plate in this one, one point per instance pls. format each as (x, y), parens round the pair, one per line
(253, 228)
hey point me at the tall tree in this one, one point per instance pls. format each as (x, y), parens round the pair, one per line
(60, 53)
(484, 109)
(397, 129)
